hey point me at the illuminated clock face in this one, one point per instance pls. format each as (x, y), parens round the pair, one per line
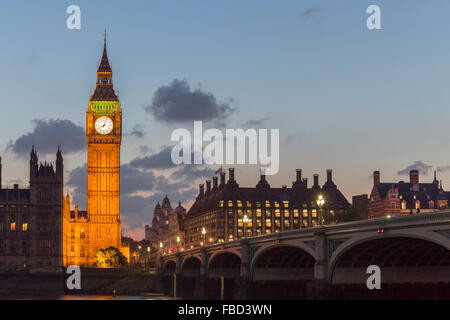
(103, 125)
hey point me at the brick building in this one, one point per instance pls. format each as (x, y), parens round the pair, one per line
(396, 198)
(221, 208)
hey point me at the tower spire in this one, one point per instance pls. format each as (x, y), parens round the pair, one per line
(104, 90)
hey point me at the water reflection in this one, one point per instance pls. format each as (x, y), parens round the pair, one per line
(81, 297)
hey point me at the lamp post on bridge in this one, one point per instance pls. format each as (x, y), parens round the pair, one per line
(320, 203)
(203, 235)
(245, 220)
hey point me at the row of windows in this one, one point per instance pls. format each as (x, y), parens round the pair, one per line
(13, 226)
(267, 204)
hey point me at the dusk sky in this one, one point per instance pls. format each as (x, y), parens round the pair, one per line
(344, 97)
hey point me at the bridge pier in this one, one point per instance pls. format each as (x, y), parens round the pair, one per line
(157, 286)
(200, 286)
(242, 284)
(319, 288)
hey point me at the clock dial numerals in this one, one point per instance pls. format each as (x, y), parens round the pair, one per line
(103, 125)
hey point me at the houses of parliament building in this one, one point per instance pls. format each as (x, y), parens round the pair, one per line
(38, 229)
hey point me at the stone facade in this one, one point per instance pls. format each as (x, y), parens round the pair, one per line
(31, 219)
(167, 226)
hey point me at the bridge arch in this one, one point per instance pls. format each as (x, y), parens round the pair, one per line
(191, 266)
(283, 262)
(402, 258)
(169, 267)
(224, 263)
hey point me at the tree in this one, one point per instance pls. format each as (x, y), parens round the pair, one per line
(110, 258)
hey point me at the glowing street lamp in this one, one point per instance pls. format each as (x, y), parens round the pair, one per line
(203, 235)
(320, 203)
(245, 220)
(178, 243)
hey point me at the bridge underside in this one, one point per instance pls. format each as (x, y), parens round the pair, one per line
(401, 260)
(225, 264)
(284, 263)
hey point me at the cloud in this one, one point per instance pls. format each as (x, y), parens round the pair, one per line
(417, 165)
(144, 149)
(192, 172)
(161, 160)
(255, 122)
(47, 135)
(177, 103)
(137, 131)
(443, 169)
(311, 12)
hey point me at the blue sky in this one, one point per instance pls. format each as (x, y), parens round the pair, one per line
(343, 97)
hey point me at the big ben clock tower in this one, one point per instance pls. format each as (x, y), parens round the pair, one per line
(103, 137)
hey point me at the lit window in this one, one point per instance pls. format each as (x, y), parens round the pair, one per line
(417, 204)
(13, 226)
(314, 213)
(24, 226)
(268, 223)
(267, 203)
(221, 203)
(240, 224)
(230, 203)
(295, 212)
(403, 205)
(239, 203)
(277, 213)
(286, 213)
(249, 204)
(268, 213)
(258, 212)
(286, 204)
(305, 213)
(277, 205)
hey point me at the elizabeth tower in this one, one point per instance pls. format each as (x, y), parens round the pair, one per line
(103, 137)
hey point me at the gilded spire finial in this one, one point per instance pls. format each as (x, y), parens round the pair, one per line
(105, 34)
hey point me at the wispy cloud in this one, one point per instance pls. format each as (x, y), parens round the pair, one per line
(311, 12)
(417, 165)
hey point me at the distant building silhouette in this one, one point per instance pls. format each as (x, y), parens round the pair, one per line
(167, 225)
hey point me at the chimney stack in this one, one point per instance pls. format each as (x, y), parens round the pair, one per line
(305, 182)
(376, 178)
(201, 189)
(222, 179)
(316, 180)
(329, 175)
(214, 183)
(299, 175)
(208, 185)
(231, 174)
(414, 179)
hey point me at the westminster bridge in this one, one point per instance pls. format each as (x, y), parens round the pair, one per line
(412, 251)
